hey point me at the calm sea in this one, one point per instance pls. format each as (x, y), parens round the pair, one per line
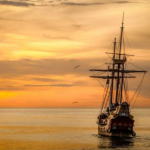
(66, 129)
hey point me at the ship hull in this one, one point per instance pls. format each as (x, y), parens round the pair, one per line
(118, 123)
(118, 134)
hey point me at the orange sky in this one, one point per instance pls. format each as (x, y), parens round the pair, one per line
(42, 41)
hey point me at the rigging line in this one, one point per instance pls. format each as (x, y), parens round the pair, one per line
(103, 99)
(119, 92)
(125, 89)
(110, 61)
(128, 43)
(124, 97)
(136, 97)
(102, 103)
(99, 66)
(98, 81)
(117, 34)
(107, 99)
(130, 49)
(107, 95)
(123, 43)
(108, 56)
(139, 90)
(136, 66)
(117, 37)
(102, 64)
(129, 74)
(113, 42)
(109, 47)
(129, 61)
(101, 73)
(104, 95)
(134, 94)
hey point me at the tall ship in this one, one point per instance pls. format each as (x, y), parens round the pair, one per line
(115, 118)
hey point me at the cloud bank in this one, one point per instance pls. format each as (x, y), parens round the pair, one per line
(14, 3)
(81, 4)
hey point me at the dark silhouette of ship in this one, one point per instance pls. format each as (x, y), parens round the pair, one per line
(115, 118)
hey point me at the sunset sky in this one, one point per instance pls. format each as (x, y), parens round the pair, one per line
(41, 41)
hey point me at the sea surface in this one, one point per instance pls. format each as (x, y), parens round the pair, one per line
(66, 129)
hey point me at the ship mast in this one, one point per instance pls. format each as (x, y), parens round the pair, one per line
(119, 97)
(112, 81)
(118, 72)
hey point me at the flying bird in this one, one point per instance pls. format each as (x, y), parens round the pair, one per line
(77, 67)
(75, 102)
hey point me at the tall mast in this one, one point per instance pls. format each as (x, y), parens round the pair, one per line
(113, 73)
(121, 36)
(118, 71)
(122, 82)
(118, 79)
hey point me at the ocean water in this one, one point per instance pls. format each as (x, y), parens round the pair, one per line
(66, 129)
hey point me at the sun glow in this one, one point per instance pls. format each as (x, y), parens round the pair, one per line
(40, 49)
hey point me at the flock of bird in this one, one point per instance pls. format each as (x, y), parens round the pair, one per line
(76, 68)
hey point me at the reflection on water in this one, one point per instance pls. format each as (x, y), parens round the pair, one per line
(114, 142)
(66, 129)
